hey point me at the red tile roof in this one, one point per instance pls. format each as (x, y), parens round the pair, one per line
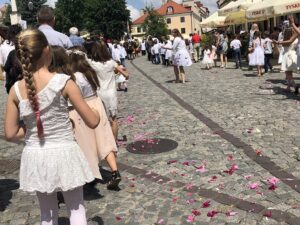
(177, 9)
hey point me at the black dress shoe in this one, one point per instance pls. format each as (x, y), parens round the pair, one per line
(113, 184)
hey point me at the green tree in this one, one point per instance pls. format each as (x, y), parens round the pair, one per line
(155, 24)
(29, 14)
(109, 18)
(26, 13)
(69, 13)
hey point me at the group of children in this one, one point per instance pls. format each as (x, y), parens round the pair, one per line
(66, 127)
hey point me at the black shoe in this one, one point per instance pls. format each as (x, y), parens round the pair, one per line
(126, 89)
(113, 184)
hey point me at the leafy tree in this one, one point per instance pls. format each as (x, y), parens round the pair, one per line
(109, 18)
(26, 14)
(155, 24)
(69, 13)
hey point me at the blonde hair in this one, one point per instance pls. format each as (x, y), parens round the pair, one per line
(29, 48)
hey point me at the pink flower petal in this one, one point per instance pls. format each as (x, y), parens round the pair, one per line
(161, 221)
(273, 180)
(201, 169)
(118, 218)
(212, 179)
(206, 204)
(190, 219)
(268, 214)
(189, 186)
(212, 213)
(174, 200)
(196, 212)
(232, 213)
(186, 163)
(230, 157)
(231, 170)
(254, 186)
(190, 201)
(248, 177)
(172, 161)
(272, 187)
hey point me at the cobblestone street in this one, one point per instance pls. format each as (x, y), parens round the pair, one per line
(224, 137)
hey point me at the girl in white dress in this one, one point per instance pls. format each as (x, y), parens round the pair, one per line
(257, 58)
(169, 52)
(51, 160)
(207, 59)
(182, 57)
(106, 69)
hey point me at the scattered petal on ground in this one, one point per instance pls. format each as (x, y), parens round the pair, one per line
(232, 213)
(172, 161)
(231, 170)
(254, 186)
(230, 157)
(190, 201)
(161, 221)
(201, 169)
(196, 212)
(206, 204)
(212, 179)
(189, 186)
(212, 213)
(268, 214)
(190, 219)
(273, 180)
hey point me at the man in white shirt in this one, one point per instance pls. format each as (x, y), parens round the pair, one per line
(46, 19)
(236, 45)
(156, 49)
(268, 49)
(143, 47)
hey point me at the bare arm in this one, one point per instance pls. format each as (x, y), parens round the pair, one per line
(120, 69)
(89, 116)
(287, 42)
(12, 128)
(292, 22)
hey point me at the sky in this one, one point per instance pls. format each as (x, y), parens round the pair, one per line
(136, 5)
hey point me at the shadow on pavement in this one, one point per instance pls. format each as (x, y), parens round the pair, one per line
(98, 220)
(283, 91)
(6, 188)
(250, 75)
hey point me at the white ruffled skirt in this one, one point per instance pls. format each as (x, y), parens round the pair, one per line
(54, 167)
(182, 58)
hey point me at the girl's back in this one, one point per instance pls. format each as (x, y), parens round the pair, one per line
(53, 110)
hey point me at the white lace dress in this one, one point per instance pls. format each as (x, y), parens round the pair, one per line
(55, 163)
(182, 56)
(257, 58)
(289, 58)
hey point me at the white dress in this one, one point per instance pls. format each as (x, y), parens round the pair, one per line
(257, 58)
(289, 58)
(207, 59)
(55, 163)
(182, 56)
(108, 90)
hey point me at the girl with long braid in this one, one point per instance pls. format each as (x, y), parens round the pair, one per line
(51, 160)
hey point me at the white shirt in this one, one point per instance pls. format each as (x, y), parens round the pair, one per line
(156, 48)
(116, 54)
(5, 49)
(123, 52)
(84, 86)
(268, 46)
(178, 44)
(235, 44)
(143, 46)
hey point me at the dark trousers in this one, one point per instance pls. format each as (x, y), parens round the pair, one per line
(149, 56)
(237, 56)
(268, 65)
(143, 52)
(163, 59)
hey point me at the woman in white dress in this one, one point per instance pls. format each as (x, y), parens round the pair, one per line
(289, 59)
(182, 57)
(257, 58)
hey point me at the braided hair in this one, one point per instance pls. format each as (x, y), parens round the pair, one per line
(29, 46)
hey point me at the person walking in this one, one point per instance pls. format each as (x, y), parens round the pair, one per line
(182, 57)
(46, 19)
(257, 58)
(51, 159)
(236, 45)
(268, 49)
(196, 40)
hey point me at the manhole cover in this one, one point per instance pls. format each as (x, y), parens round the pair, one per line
(9, 165)
(152, 146)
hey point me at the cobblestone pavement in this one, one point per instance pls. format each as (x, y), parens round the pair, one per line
(234, 132)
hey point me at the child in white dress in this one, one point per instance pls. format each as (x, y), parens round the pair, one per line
(207, 60)
(257, 58)
(51, 160)
(106, 69)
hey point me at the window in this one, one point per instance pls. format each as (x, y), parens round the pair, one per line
(168, 20)
(139, 30)
(170, 10)
(183, 30)
(182, 19)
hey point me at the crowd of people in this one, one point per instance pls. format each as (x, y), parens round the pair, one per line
(62, 97)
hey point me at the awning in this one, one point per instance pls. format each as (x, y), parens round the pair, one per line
(237, 6)
(271, 8)
(213, 21)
